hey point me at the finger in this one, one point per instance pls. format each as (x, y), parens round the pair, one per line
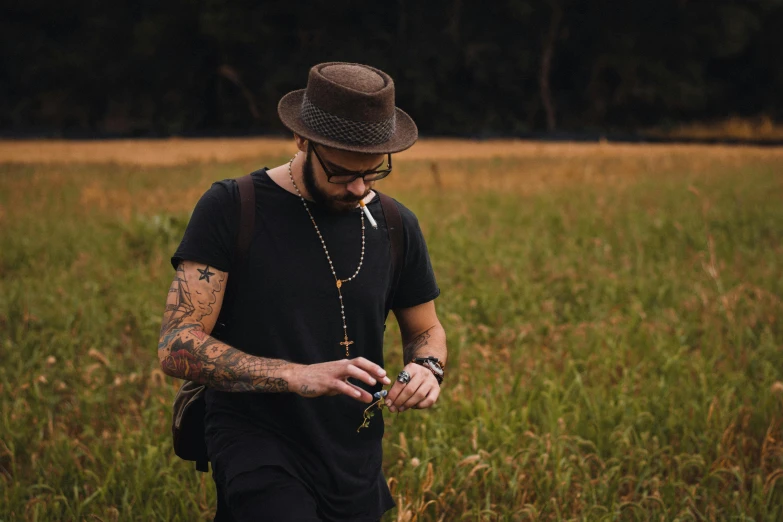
(351, 391)
(393, 393)
(430, 399)
(416, 398)
(364, 395)
(395, 390)
(420, 394)
(406, 393)
(358, 374)
(371, 368)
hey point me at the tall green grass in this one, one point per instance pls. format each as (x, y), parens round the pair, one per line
(616, 349)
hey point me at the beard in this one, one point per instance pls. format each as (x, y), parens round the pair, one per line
(334, 204)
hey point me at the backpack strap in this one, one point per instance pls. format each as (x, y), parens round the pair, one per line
(247, 217)
(391, 213)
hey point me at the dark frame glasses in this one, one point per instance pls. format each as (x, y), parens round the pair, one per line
(344, 177)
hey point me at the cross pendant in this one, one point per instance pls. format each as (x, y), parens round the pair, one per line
(346, 343)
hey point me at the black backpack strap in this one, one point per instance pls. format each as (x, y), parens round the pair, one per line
(202, 465)
(391, 213)
(247, 217)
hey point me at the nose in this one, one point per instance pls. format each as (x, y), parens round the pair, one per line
(357, 187)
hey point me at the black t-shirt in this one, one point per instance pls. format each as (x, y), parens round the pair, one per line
(285, 306)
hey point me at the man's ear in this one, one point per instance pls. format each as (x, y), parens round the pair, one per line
(301, 142)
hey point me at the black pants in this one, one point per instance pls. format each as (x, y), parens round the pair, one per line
(266, 493)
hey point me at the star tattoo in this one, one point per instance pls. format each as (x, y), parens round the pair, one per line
(205, 274)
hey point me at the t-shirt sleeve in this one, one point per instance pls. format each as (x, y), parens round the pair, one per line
(211, 233)
(417, 283)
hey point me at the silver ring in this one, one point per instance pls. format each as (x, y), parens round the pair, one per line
(404, 377)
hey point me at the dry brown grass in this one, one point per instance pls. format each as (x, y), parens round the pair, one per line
(176, 151)
(140, 152)
(508, 166)
(761, 129)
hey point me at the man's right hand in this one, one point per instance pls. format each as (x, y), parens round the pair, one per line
(331, 378)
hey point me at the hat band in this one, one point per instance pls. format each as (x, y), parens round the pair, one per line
(344, 130)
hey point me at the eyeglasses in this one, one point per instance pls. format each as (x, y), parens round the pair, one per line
(341, 176)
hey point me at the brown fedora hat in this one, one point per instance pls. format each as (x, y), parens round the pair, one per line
(348, 106)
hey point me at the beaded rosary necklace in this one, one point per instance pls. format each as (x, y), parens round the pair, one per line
(337, 281)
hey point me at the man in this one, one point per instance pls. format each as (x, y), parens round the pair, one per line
(294, 360)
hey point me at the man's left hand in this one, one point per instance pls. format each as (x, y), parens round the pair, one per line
(420, 392)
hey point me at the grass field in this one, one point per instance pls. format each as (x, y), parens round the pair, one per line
(613, 315)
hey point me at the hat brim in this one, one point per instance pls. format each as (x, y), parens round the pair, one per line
(405, 131)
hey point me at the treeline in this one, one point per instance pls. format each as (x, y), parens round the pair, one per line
(462, 67)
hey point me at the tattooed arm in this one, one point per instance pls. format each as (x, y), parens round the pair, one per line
(422, 333)
(422, 336)
(187, 351)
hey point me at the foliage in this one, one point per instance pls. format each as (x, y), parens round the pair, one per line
(613, 322)
(461, 68)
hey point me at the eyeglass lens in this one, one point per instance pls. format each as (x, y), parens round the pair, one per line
(347, 177)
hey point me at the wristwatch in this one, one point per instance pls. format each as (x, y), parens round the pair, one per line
(433, 365)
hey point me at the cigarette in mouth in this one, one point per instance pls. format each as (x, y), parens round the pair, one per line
(367, 213)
